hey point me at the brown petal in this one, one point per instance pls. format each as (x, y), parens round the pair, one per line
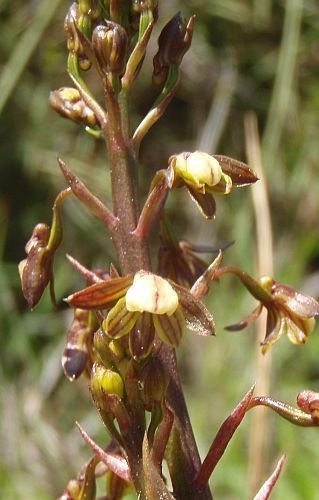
(205, 201)
(101, 295)
(198, 318)
(251, 318)
(239, 172)
(201, 286)
(119, 320)
(299, 304)
(141, 337)
(297, 329)
(170, 329)
(274, 329)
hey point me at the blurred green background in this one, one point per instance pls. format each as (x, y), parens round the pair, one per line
(247, 55)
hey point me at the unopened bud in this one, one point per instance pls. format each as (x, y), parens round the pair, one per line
(75, 354)
(72, 26)
(151, 293)
(105, 381)
(140, 6)
(36, 269)
(110, 47)
(154, 381)
(110, 352)
(90, 8)
(143, 9)
(69, 104)
(173, 43)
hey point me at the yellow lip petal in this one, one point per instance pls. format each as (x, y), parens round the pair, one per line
(151, 293)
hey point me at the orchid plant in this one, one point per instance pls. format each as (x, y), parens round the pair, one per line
(129, 319)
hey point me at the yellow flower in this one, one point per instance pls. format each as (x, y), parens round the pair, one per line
(205, 175)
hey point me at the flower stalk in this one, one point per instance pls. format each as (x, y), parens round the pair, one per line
(129, 320)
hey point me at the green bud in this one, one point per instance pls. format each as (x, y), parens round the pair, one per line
(69, 104)
(105, 381)
(110, 47)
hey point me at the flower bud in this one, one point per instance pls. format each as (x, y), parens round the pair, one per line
(36, 269)
(143, 8)
(75, 355)
(173, 43)
(154, 381)
(69, 104)
(105, 381)
(72, 26)
(110, 47)
(90, 8)
(151, 293)
(140, 6)
(197, 168)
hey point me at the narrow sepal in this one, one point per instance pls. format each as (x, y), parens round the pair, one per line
(141, 337)
(100, 295)
(170, 329)
(249, 320)
(87, 480)
(202, 284)
(239, 172)
(298, 303)
(115, 462)
(205, 201)
(267, 487)
(198, 318)
(222, 439)
(119, 320)
(162, 435)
